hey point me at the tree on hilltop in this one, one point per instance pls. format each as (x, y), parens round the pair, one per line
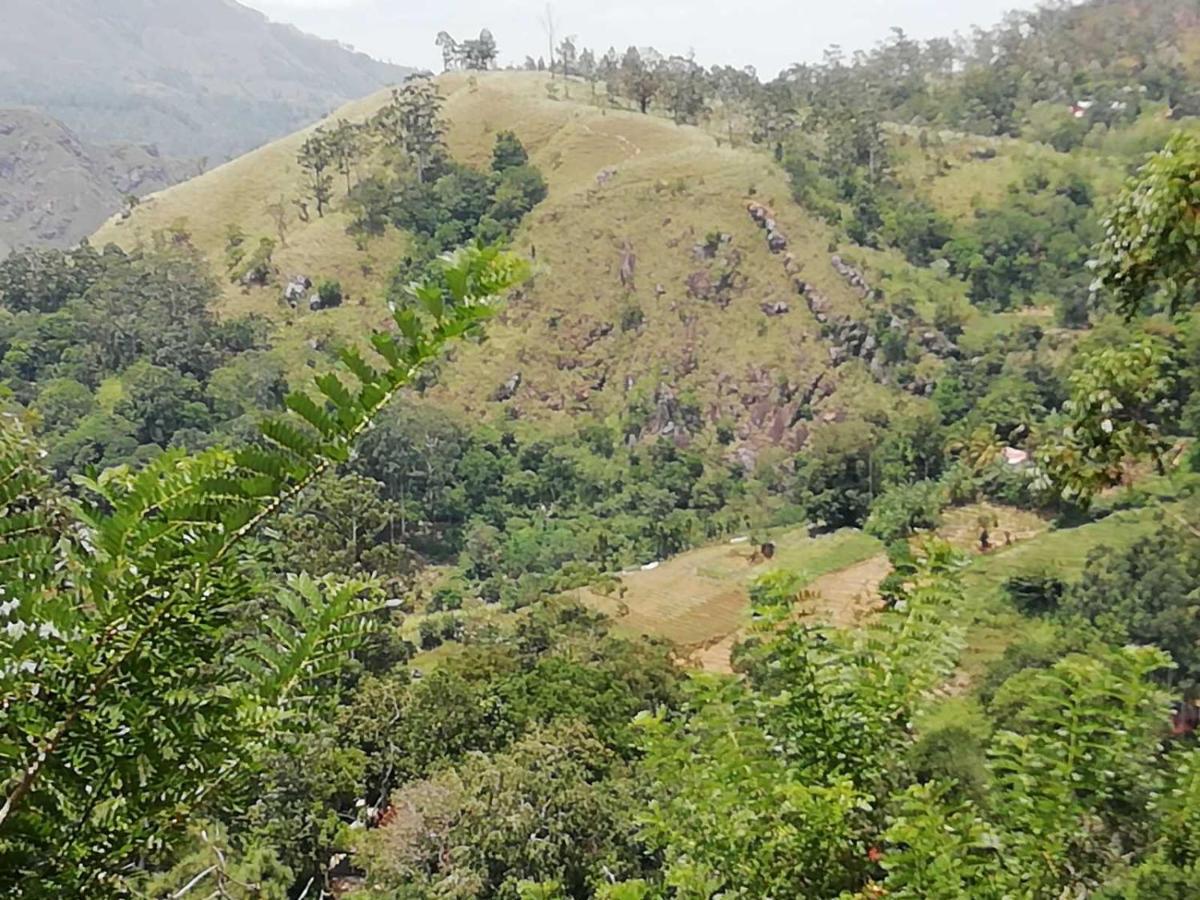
(683, 84)
(348, 143)
(639, 81)
(316, 160)
(411, 124)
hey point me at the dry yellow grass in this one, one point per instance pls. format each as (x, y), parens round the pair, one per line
(672, 186)
(1006, 525)
(699, 599)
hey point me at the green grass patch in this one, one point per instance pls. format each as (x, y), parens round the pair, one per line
(819, 556)
(110, 393)
(993, 624)
(984, 328)
(1066, 550)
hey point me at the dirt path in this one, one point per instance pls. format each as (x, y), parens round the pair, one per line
(849, 596)
(629, 146)
(843, 599)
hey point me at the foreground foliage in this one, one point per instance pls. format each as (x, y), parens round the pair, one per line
(136, 688)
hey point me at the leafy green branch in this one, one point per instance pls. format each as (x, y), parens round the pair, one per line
(121, 699)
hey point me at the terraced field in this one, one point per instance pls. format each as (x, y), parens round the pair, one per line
(700, 599)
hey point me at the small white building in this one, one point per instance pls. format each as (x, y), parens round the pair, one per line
(1014, 457)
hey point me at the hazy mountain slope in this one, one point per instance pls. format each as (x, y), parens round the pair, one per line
(582, 342)
(55, 189)
(197, 78)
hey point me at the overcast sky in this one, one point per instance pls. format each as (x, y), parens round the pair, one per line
(769, 34)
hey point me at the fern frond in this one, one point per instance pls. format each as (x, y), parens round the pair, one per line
(314, 621)
(121, 609)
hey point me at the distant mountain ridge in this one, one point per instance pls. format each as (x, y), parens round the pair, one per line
(56, 189)
(202, 78)
(167, 80)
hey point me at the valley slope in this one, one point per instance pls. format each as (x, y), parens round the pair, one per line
(707, 327)
(202, 78)
(99, 100)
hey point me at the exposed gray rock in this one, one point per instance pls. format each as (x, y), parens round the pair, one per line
(765, 219)
(700, 285)
(759, 213)
(853, 276)
(603, 330)
(628, 267)
(295, 290)
(711, 246)
(939, 345)
(508, 390)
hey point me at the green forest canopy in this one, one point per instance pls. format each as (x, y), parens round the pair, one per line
(182, 711)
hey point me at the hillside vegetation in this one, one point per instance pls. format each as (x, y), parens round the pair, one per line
(581, 341)
(626, 480)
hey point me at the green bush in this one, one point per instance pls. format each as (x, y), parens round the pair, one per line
(447, 597)
(904, 510)
(250, 268)
(1035, 593)
(632, 317)
(950, 748)
(330, 293)
(509, 152)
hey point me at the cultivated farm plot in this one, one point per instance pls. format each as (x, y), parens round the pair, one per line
(994, 624)
(1006, 525)
(699, 599)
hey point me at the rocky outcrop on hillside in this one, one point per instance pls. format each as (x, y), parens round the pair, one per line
(852, 276)
(56, 189)
(850, 338)
(777, 242)
(863, 340)
(719, 277)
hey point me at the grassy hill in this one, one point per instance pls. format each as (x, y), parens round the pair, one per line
(585, 344)
(582, 342)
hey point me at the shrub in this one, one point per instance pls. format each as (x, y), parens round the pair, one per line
(447, 597)
(430, 634)
(906, 509)
(950, 749)
(1009, 486)
(632, 318)
(1035, 594)
(330, 293)
(250, 268)
(508, 153)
